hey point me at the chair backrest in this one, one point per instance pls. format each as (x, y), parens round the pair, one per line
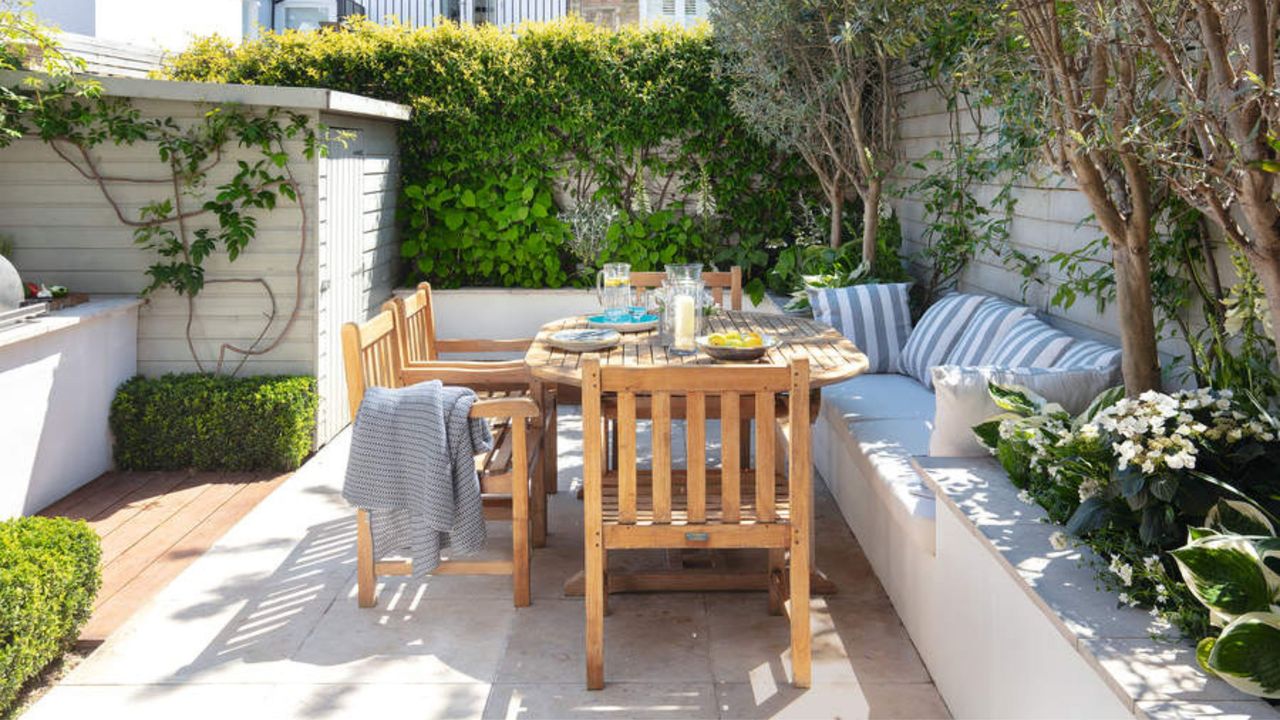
(727, 390)
(718, 282)
(371, 356)
(416, 325)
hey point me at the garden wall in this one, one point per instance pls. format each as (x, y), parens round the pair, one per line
(1050, 217)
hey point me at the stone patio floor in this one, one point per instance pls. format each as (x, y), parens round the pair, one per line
(265, 625)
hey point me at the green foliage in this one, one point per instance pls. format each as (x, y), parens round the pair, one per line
(48, 579)
(1127, 477)
(213, 422)
(26, 45)
(508, 129)
(1236, 575)
(815, 264)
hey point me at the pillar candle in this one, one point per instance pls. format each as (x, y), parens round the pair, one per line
(685, 323)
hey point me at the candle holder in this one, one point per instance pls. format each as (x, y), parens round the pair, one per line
(682, 317)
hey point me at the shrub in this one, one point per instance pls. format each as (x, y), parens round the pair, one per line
(213, 422)
(637, 119)
(48, 579)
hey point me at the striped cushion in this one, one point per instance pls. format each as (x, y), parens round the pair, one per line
(936, 334)
(874, 317)
(1030, 344)
(989, 325)
(1089, 354)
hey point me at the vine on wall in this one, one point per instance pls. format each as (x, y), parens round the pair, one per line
(74, 119)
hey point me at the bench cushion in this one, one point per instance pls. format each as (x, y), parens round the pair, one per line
(879, 397)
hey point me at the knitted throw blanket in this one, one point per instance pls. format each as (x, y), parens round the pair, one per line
(412, 467)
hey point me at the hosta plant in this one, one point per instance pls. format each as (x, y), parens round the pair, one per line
(1232, 566)
(1127, 476)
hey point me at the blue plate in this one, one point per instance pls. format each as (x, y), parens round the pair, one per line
(628, 324)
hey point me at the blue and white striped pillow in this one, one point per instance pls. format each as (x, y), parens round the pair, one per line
(936, 334)
(1030, 344)
(1089, 354)
(874, 317)
(988, 326)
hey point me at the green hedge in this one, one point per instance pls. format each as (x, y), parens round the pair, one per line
(212, 422)
(48, 579)
(500, 120)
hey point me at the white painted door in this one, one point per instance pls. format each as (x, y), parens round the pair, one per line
(341, 272)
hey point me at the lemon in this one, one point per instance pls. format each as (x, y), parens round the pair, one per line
(717, 340)
(615, 282)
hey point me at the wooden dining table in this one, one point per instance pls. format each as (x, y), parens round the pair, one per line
(832, 359)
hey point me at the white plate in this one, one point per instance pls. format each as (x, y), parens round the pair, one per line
(584, 340)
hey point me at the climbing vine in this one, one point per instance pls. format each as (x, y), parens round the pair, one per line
(183, 228)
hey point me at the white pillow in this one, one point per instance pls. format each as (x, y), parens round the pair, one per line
(963, 400)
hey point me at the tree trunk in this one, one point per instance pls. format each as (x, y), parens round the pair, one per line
(1141, 363)
(870, 222)
(837, 215)
(1267, 266)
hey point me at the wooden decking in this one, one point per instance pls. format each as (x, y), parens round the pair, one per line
(152, 525)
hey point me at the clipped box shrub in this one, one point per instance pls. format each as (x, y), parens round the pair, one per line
(48, 579)
(210, 422)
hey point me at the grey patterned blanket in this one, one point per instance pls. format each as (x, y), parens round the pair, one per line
(412, 467)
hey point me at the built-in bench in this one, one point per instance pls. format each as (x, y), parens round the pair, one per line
(1007, 626)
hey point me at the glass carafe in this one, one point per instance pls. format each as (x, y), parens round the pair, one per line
(682, 316)
(613, 289)
(689, 272)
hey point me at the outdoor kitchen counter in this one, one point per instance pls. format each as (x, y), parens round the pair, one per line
(97, 308)
(58, 375)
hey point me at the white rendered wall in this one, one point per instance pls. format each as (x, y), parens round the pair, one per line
(57, 388)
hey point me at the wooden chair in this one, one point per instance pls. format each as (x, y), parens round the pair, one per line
(717, 281)
(700, 507)
(419, 347)
(371, 352)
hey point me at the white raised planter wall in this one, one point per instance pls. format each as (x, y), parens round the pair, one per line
(58, 375)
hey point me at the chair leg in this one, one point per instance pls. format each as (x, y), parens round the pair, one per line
(538, 500)
(777, 569)
(595, 600)
(520, 491)
(366, 578)
(801, 658)
(550, 446)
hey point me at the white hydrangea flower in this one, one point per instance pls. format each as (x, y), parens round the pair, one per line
(1151, 563)
(1025, 497)
(1122, 570)
(1059, 541)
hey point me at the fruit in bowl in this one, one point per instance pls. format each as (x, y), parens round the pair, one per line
(735, 346)
(735, 339)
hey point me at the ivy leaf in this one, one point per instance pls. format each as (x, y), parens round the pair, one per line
(468, 198)
(453, 219)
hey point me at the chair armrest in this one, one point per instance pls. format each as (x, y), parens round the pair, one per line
(482, 346)
(467, 373)
(505, 408)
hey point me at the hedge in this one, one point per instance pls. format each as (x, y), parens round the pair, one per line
(48, 579)
(501, 122)
(210, 422)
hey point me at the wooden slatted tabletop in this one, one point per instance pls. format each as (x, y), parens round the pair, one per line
(832, 357)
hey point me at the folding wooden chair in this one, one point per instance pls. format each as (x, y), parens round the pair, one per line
(420, 348)
(700, 506)
(372, 355)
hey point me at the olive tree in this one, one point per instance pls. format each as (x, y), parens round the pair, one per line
(815, 77)
(1101, 99)
(1221, 148)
